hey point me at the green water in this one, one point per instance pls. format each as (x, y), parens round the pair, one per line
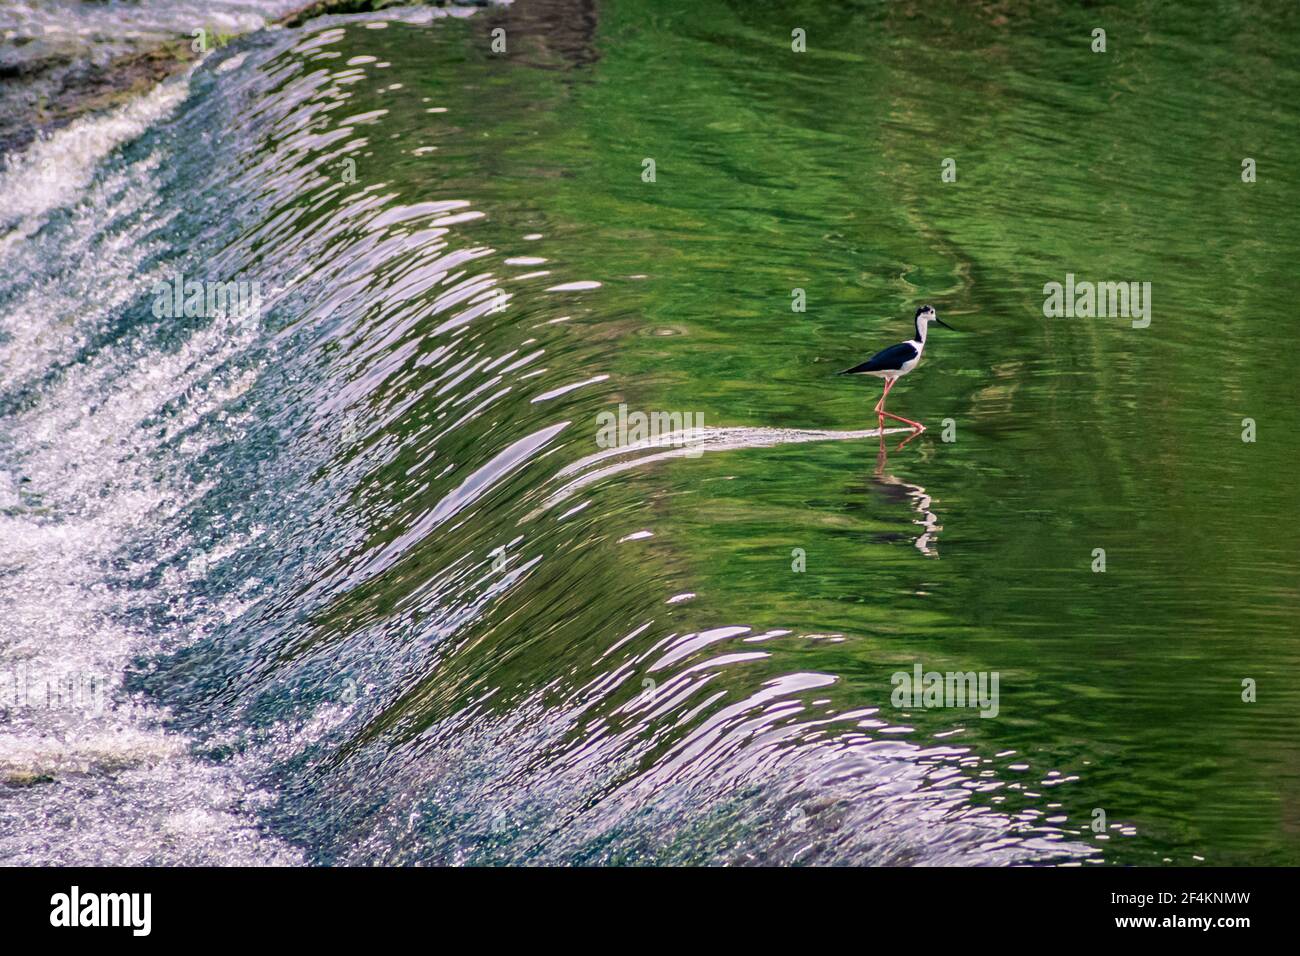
(556, 652)
(822, 171)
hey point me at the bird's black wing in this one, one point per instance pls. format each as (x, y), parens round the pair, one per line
(893, 357)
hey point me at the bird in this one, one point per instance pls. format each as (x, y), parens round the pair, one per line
(893, 363)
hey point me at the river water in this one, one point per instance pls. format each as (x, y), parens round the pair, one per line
(355, 578)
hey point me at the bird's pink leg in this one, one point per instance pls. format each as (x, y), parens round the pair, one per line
(906, 421)
(889, 383)
(915, 434)
(880, 405)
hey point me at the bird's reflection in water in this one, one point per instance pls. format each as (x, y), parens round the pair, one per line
(895, 490)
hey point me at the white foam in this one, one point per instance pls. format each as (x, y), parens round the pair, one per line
(53, 171)
(88, 474)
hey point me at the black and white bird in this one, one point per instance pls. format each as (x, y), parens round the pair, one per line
(893, 363)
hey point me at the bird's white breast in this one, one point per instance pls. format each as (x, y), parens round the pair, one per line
(912, 362)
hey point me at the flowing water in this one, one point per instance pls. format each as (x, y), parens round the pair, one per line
(354, 579)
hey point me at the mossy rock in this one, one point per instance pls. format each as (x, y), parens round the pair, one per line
(24, 778)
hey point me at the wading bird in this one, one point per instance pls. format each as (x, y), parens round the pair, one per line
(893, 363)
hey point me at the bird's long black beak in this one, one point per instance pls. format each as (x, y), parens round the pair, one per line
(944, 324)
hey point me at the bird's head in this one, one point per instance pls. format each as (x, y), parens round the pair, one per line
(926, 314)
